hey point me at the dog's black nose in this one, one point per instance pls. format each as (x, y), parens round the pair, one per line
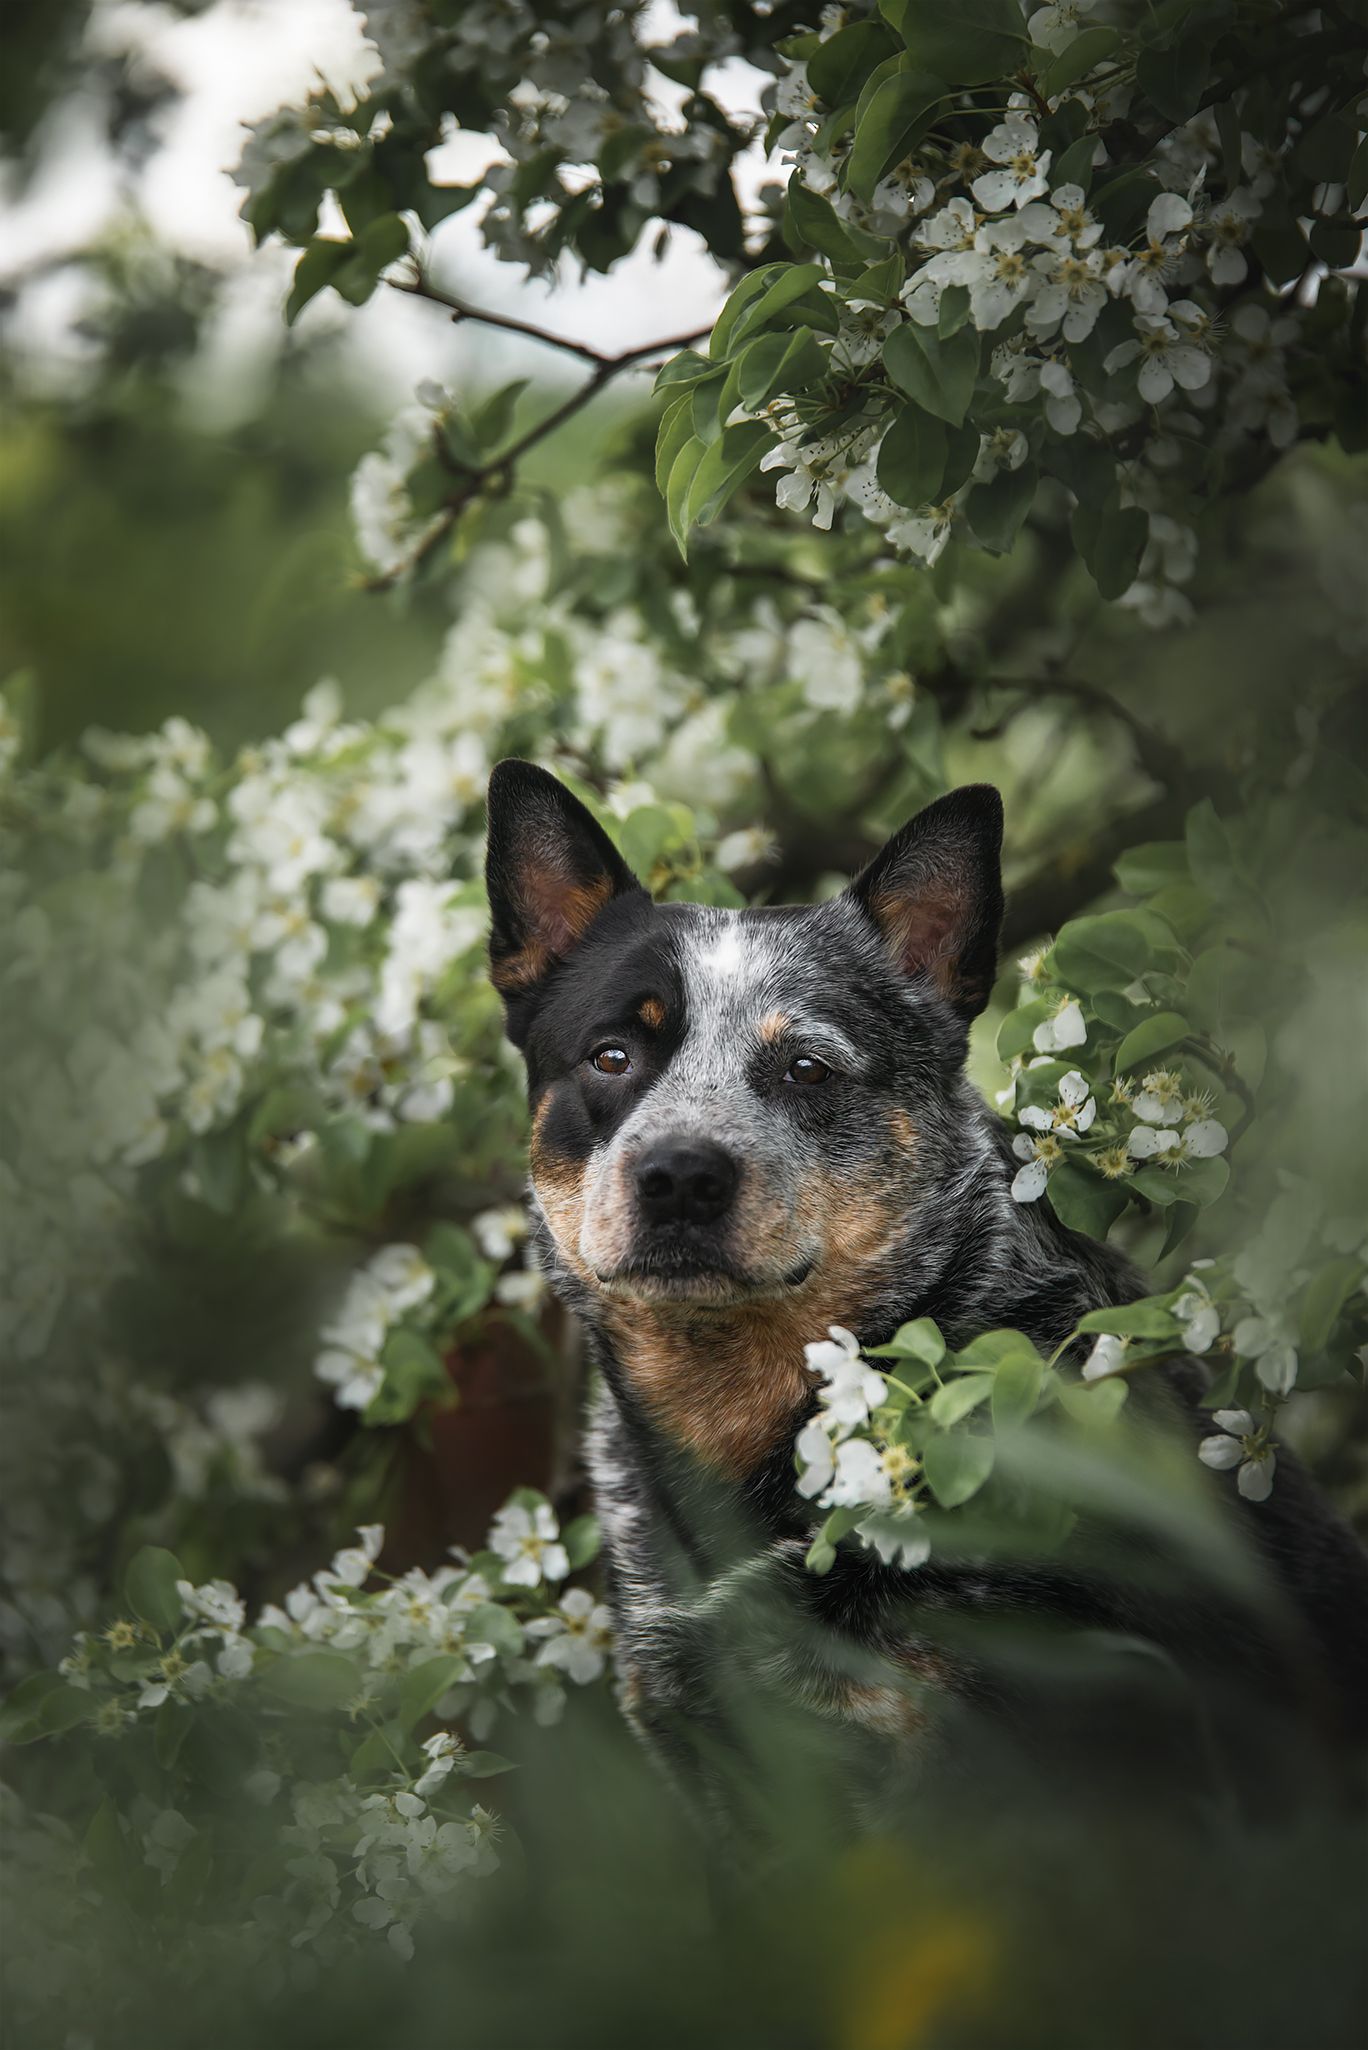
(684, 1181)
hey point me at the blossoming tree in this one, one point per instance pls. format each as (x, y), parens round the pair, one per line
(1034, 298)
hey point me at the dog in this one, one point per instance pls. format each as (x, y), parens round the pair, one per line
(748, 1126)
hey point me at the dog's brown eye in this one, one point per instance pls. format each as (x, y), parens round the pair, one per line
(807, 1068)
(611, 1060)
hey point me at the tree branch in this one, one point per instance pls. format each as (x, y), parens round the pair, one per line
(495, 477)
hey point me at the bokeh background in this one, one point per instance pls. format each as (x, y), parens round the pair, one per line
(178, 542)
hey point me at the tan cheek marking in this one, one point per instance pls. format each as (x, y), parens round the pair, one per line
(651, 1013)
(559, 1183)
(904, 1131)
(773, 1026)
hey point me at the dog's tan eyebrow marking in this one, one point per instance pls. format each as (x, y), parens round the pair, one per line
(651, 1012)
(773, 1026)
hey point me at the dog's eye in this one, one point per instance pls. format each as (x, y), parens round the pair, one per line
(807, 1069)
(611, 1060)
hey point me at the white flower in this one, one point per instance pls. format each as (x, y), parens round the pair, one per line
(1142, 277)
(1150, 1142)
(1054, 28)
(497, 1232)
(1014, 144)
(1065, 220)
(1070, 290)
(1108, 1356)
(217, 1602)
(1160, 1100)
(826, 659)
(578, 1637)
(925, 534)
(851, 1387)
(1241, 1444)
(1265, 1341)
(1166, 358)
(1040, 1154)
(1203, 1139)
(170, 805)
(1199, 1317)
(746, 848)
(818, 471)
(1073, 1113)
(1063, 408)
(817, 1459)
(403, 1276)
(350, 900)
(529, 1543)
(859, 1477)
(1067, 1028)
(1225, 230)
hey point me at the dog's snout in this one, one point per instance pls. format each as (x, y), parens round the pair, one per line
(685, 1181)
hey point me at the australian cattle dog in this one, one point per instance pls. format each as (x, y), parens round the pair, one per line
(748, 1126)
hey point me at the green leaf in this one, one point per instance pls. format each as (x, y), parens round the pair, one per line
(1174, 79)
(958, 1397)
(491, 1623)
(1075, 164)
(750, 297)
(581, 1539)
(150, 1588)
(319, 1680)
(939, 375)
(820, 1556)
(1017, 1030)
(724, 467)
(423, 1686)
(838, 67)
(484, 1765)
(1111, 544)
(953, 311)
(1082, 1200)
(684, 369)
(1133, 1320)
(911, 460)
(777, 363)
(676, 428)
(1325, 1296)
(681, 477)
(957, 1463)
(1090, 47)
(1152, 866)
(900, 113)
(997, 508)
(918, 1340)
(1109, 950)
(1152, 1036)
(1016, 1390)
(316, 268)
(21, 1716)
(170, 1729)
(811, 222)
(964, 41)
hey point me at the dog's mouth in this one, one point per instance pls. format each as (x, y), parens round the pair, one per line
(703, 1276)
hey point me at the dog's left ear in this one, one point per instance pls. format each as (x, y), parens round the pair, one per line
(935, 893)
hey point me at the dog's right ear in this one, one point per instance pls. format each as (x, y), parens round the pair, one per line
(550, 869)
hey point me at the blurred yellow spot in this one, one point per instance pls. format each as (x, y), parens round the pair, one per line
(909, 1967)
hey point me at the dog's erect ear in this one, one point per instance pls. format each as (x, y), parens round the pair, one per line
(935, 893)
(550, 869)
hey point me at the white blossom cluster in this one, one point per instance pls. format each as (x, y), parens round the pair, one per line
(843, 1464)
(354, 1856)
(988, 219)
(1168, 1118)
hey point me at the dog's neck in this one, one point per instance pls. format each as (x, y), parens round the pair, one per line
(729, 1385)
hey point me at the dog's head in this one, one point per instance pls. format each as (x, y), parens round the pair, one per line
(736, 1107)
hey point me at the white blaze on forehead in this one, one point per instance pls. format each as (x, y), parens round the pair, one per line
(725, 955)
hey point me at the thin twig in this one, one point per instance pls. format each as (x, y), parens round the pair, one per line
(495, 477)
